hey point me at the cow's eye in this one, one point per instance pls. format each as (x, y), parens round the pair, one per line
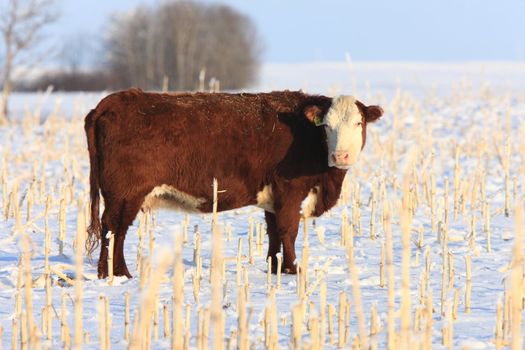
(359, 124)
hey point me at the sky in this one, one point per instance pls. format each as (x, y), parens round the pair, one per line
(375, 30)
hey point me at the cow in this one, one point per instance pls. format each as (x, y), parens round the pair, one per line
(286, 152)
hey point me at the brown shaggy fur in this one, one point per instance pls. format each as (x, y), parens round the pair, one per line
(140, 140)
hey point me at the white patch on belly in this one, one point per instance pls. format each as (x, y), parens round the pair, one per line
(265, 199)
(165, 196)
(308, 206)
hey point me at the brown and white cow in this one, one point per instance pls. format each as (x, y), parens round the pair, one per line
(272, 150)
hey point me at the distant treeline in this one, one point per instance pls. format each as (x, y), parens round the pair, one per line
(92, 80)
(181, 45)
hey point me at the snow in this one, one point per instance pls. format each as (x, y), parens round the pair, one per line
(472, 105)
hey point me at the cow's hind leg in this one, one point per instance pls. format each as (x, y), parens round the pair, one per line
(104, 242)
(117, 217)
(130, 209)
(274, 245)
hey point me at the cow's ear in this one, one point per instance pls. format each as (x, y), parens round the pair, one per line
(373, 113)
(314, 114)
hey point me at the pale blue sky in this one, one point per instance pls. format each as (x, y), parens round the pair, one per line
(377, 30)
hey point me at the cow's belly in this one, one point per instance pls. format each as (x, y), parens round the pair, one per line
(265, 201)
(168, 197)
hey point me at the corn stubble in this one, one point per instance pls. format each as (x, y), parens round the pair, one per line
(410, 221)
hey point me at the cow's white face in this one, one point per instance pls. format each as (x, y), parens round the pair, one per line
(344, 125)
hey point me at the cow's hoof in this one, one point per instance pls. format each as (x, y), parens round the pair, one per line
(105, 275)
(123, 272)
(274, 266)
(102, 271)
(290, 270)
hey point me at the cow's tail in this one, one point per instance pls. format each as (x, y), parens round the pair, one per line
(94, 229)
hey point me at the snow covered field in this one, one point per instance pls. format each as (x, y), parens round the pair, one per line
(434, 114)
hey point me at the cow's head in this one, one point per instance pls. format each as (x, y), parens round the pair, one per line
(345, 125)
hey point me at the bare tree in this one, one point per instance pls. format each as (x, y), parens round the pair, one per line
(183, 25)
(21, 27)
(127, 47)
(235, 42)
(180, 40)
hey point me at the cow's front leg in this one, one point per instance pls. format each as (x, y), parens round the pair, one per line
(287, 219)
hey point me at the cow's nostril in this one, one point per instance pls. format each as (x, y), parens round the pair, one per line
(334, 158)
(346, 156)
